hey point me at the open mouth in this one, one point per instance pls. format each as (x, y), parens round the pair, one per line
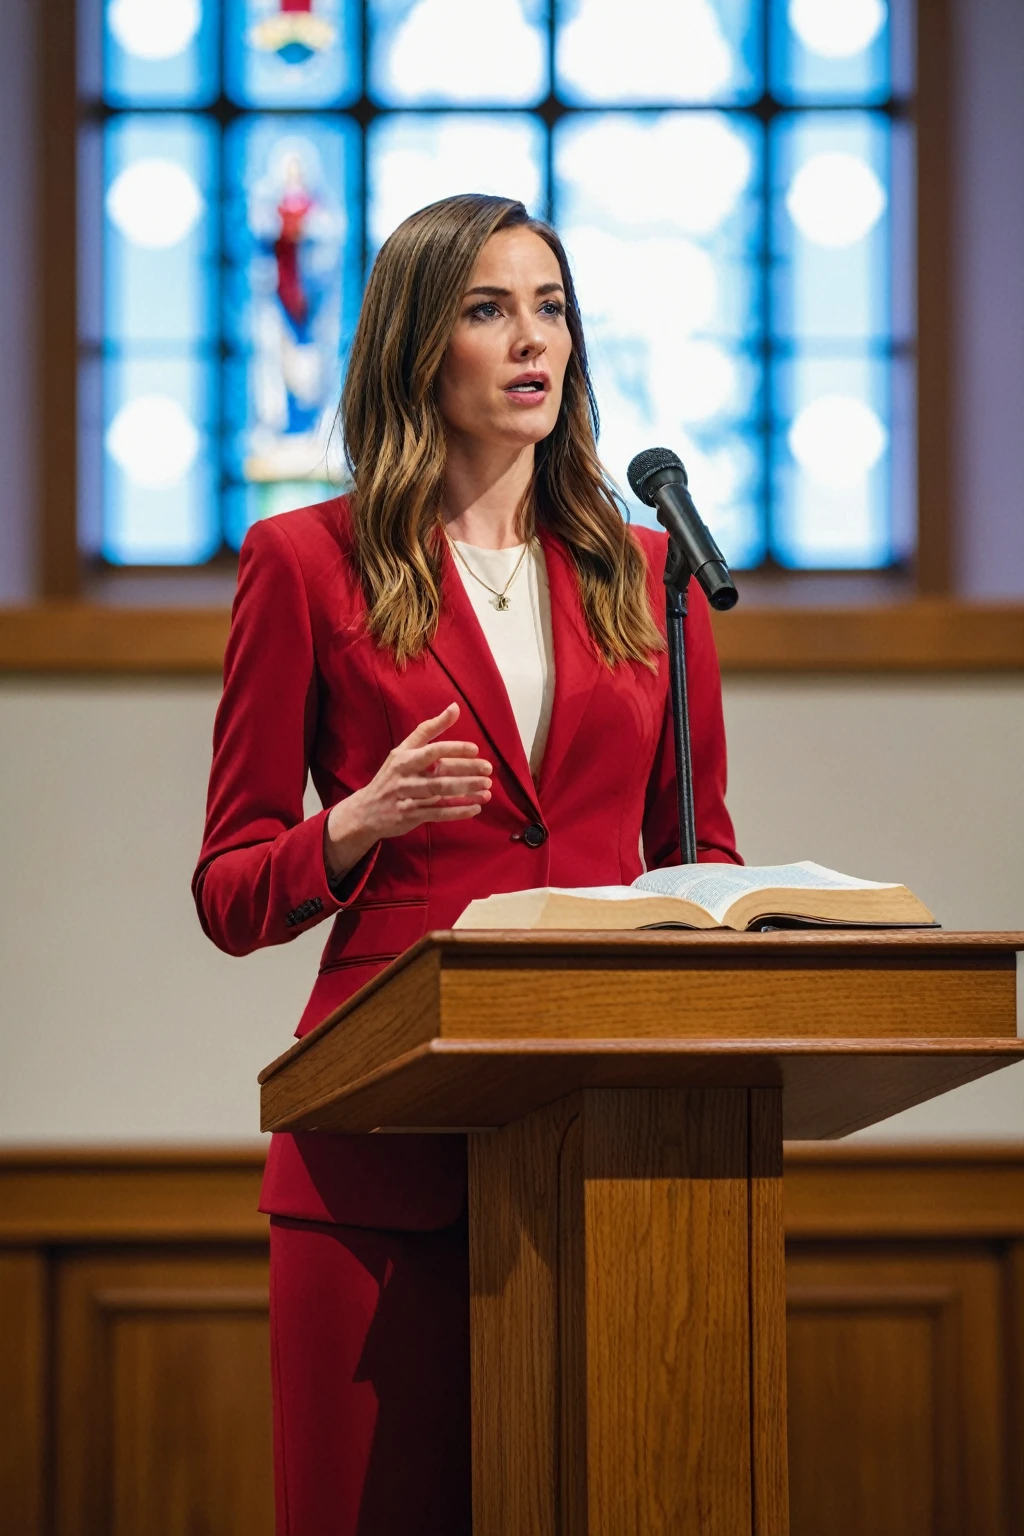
(528, 387)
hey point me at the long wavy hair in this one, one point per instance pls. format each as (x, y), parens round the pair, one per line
(395, 442)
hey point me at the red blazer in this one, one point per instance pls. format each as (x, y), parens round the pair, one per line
(307, 689)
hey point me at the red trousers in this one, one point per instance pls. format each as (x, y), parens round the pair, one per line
(370, 1366)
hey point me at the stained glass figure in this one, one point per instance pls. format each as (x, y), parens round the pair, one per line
(293, 249)
(292, 53)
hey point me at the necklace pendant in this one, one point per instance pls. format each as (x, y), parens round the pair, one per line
(501, 602)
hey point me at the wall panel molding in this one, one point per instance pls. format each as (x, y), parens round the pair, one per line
(134, 1390)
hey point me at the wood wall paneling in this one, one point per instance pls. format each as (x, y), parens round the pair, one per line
(23, 1392)
(134, 1393)
(896, 1394)
(163, 1394)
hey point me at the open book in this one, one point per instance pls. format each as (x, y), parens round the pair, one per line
(709, 896)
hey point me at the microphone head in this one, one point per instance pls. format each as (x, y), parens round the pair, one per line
(648, 463)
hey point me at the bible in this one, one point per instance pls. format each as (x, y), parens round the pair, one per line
(709, 896)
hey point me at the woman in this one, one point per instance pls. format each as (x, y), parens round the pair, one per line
(467, 655)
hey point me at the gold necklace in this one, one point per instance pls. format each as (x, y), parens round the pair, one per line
(501, 601)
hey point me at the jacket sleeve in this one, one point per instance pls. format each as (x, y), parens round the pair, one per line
(716, 840)
(261, 877)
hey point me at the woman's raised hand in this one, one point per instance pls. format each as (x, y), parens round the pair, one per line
(420, 780)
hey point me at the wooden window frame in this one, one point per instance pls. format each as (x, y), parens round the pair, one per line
(789, 623)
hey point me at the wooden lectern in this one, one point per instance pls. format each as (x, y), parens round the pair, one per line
(627, 1097)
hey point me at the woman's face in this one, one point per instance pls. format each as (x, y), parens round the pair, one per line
(501, 379)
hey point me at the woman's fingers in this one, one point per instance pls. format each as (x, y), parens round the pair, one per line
(453, 813)
(455, 767)
(428, 729)
(420, 759)
(444, 789)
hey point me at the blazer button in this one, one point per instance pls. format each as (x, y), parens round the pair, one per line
(534, 835)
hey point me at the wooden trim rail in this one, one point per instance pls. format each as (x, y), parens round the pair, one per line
(924, 636)
(147, 1195)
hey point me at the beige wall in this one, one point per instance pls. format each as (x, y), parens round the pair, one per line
(121, 1022)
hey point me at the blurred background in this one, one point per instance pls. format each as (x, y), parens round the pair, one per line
(734, 184)
(796, 229)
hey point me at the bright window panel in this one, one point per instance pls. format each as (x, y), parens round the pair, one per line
(293, 53)
(831, 456)
(458, 52)
(830, 51)
(159, 470)
(670, 299)
(160, 53)
(414, 160)
(831, 226)
(685, 51)
(159, 202)
(293, 291)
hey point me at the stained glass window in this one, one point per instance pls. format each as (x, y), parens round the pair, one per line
(730, 178)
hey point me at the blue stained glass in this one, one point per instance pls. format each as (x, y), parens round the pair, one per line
(831, 461)
(160, 184)
(160, 473)
(413, 160)
(685, 51)
(294, 250)
(160, 54)
(662, 220)
(830, 51)
(455, 52)
(831, 225)
(303, 54)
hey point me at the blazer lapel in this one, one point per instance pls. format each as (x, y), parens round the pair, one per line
(577, 660)
(461, 648)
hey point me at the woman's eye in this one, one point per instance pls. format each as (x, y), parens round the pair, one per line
(553, 307)
(478, 310)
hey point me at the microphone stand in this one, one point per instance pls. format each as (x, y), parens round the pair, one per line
(677, 579)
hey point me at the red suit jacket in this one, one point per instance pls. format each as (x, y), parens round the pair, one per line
(307, 689)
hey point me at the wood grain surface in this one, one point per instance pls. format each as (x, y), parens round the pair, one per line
(742, 1003)
(896, 1374)
(667, 1312)
(767, 1316)
(163, 1406)
(626, 1380)
(24, 1410)
(829, 1090)
(470, 1031)
(110, 1194)
(514, 1194)
(925, 636)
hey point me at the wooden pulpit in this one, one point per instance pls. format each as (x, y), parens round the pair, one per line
(627, 1096)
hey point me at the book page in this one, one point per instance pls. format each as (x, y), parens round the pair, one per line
(716, 886)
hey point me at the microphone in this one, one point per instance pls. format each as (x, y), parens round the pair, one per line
(658, 478)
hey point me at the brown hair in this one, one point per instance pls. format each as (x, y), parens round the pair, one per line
(395, 441)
